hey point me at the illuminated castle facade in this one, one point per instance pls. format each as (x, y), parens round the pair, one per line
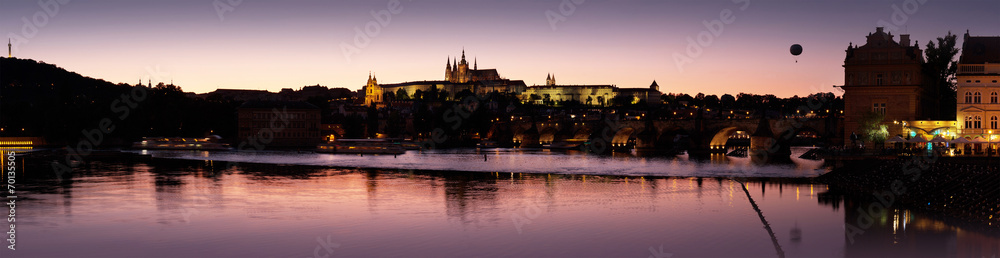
(457, 78)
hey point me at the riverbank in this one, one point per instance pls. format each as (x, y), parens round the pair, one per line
(967, 189)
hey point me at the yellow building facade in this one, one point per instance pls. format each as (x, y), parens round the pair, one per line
(978, 88)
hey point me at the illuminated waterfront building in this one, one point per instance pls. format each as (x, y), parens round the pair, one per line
(884, 76)
(978, 88)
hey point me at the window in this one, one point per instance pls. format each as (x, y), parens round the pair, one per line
(968, 122)
(993, 122)
(968, 97)
(978, 81)
(993, 98)
(878, 108)
(977, 122)
(977, 98)
(878, 79)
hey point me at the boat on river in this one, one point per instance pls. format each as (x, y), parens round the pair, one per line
(361, 146)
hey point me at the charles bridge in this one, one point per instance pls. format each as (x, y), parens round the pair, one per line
(694, 135)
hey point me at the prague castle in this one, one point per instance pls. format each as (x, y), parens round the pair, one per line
(458, 77)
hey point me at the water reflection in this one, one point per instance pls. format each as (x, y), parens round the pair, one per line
(174, 208)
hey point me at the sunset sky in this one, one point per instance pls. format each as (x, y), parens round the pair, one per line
(289, 44)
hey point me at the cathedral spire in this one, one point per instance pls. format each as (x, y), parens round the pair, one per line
(475, 64)
(9, 52)
(463, 55)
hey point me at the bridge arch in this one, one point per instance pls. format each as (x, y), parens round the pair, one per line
(547, 135)
(722, 137)
(623, 137)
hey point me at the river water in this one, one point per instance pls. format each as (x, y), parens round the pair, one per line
(198, 205)
(538, 161)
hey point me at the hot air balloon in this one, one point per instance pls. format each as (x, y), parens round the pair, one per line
(796, 50)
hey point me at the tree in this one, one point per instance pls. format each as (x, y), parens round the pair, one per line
(711, 101)
(728, 101)
(940, 69)
(535, 98)
(418, 95)
(442, 95)
(872, 129)
(622, 100)
(401, 94)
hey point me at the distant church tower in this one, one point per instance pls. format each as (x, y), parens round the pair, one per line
(447, 70)
(550, 80)
(456, 71)
(463, 69)
(8, 49)
(373, 92)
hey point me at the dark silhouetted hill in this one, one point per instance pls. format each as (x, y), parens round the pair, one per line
(39, 99)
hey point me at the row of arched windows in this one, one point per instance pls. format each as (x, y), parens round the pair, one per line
(977, 98)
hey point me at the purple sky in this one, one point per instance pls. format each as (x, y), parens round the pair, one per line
(289, 44)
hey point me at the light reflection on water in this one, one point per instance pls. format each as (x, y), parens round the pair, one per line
(525, 161)
(186, 208)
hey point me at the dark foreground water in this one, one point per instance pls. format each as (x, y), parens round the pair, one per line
(185, 208)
